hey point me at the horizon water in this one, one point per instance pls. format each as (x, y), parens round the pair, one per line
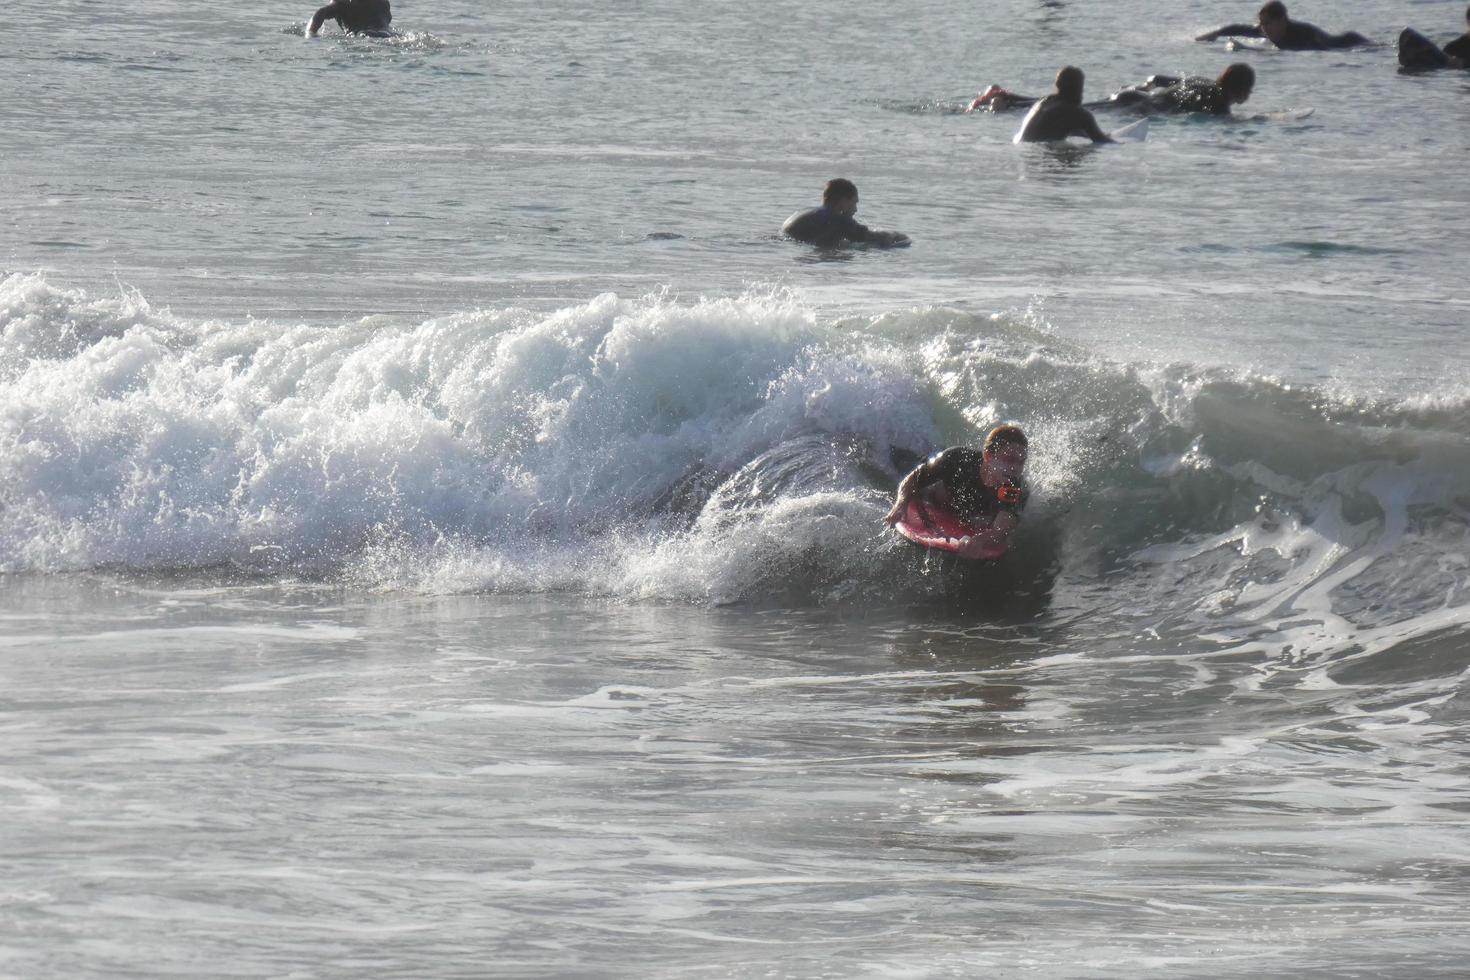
(439, 517)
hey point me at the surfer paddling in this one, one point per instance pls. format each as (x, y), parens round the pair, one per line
(832, 224)
(367, 17)
(980, 492)
(1157, 93)
(1285, 33)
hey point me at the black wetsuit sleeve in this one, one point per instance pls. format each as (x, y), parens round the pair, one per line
(322, 14)
(933, 470)
(947, 467)
(1459, 48)
(1232, 30)
(853, 231)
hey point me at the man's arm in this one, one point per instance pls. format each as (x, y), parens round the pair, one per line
(856, 232)
(1232, 30)
(1087, 125)
(330, 10)
(997, 99)
(921, 476)
(1459, 48)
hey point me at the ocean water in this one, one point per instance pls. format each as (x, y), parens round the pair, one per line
(439, 517)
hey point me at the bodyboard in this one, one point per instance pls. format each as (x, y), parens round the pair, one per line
(943, 530)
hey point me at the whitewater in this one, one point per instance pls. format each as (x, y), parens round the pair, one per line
(440, 520)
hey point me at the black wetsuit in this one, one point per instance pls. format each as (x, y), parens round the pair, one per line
(825, 227)
(1418, 52)
(960, 470)
(370, 17)
(1161, 93)
(1299, 36)
(1165, 94)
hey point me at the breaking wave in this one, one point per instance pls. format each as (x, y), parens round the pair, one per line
(711, 450)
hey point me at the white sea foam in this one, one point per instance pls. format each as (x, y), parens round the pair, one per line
(712, 450)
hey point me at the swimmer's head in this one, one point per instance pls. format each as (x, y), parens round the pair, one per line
(1006, 441)
(1237, 81)
(1069, 84)
(840, 195)
(1004, 454)
(1274, 22)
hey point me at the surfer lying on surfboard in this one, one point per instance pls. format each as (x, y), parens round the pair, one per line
(1274, 25)
(965, 501)
(1157, 93)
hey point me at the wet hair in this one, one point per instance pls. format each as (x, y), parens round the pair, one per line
(1237, 79)
(1275, 10)
(1005, 435)
(838, 189)
(1069, 83)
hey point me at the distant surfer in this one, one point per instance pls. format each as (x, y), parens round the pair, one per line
(1061, 114)
(982, 488)
(367, 17)
(1417, 51)
(1285, 33)
(832, 224)
(1157, 93)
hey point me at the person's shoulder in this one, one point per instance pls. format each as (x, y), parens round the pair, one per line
(957, 455)
(802, 223)
(853, 229)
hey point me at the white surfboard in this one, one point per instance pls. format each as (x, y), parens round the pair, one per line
(1134, 132)
(1284, 115)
